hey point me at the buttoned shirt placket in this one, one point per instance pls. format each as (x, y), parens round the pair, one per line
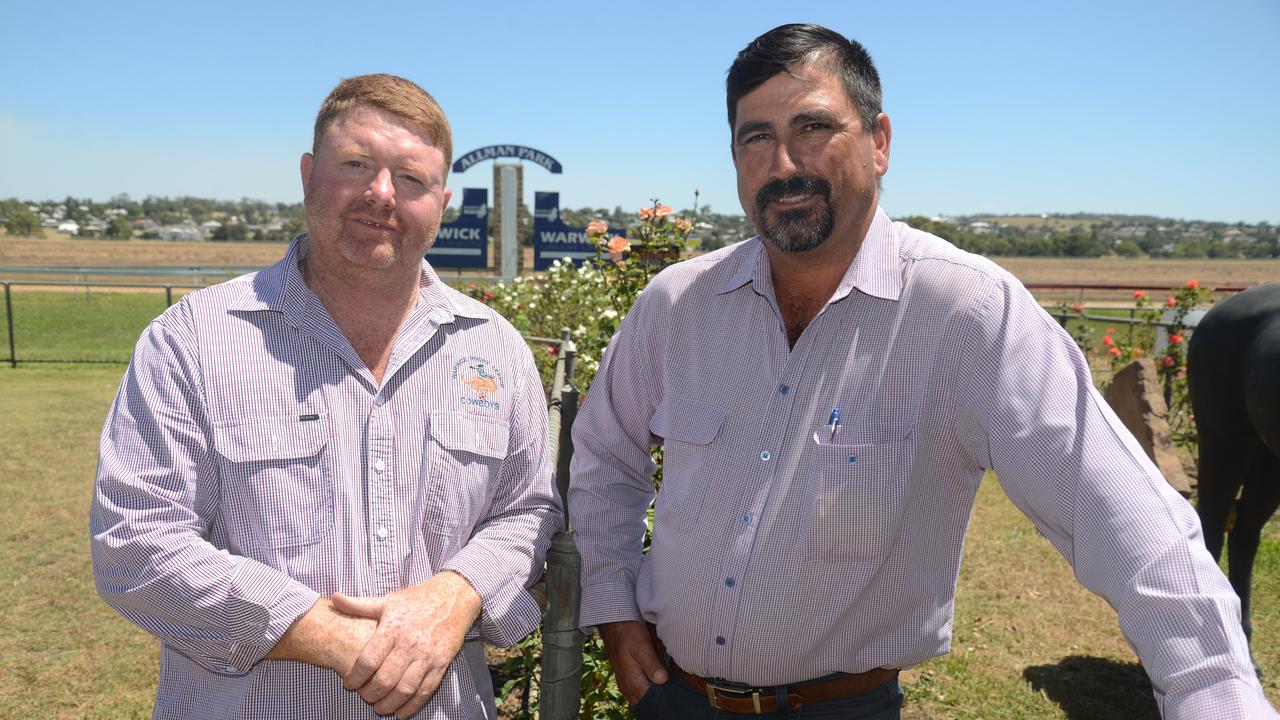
(775, 415)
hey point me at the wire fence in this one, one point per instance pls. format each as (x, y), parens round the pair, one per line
(66, 322)
(82, 322)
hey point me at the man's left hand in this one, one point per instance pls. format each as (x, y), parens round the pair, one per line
(420, 630)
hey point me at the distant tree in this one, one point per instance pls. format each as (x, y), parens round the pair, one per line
(119, 228)
(22, 222)
(232, 232)
(1128, 248)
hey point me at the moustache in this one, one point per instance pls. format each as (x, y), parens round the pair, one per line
(795, 185)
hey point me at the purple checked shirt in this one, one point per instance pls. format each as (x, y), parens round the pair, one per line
(787, 546)
(251, 464)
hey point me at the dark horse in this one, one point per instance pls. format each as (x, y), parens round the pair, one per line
(1233, 368)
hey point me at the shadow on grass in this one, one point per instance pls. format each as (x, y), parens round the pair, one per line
(1091, 687)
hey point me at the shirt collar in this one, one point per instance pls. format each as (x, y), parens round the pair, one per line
(874, 269)
(280, 288)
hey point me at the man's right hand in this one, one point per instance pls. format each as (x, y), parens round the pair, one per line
(634, 658)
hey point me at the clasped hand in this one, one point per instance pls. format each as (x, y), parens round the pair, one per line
(419, 631)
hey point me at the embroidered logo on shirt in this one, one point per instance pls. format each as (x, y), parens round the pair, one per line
(482, 381)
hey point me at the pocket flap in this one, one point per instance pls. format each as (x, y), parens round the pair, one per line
(271, 439)
(463, 432)
(687, 422)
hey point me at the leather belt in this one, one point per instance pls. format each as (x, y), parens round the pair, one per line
(743, 699)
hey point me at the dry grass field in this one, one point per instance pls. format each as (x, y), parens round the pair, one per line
(62, 251)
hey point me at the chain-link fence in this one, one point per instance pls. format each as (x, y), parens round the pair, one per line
(62, 322)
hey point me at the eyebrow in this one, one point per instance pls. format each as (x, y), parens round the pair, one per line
(814, 116)
(751, 127)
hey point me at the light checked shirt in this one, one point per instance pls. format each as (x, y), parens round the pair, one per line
(787, 546)
(251, 464)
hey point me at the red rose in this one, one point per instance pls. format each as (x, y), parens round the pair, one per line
(1176, 339)
(1168, 361)
(1172, 301)
(1108, 340)
(1193, 284)
(1139, 294)
(1115, 351)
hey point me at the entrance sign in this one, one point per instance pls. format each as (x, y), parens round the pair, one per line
(519, 152)
(464, 243)
(552, 239)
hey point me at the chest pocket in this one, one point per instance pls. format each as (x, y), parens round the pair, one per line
(689, 460)
(277, 486)
(465, 455)
(857, 513)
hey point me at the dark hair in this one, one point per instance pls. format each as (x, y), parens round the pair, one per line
(788, 45)
(398, 96)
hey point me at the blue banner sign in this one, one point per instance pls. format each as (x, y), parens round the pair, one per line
(552, 239)
(519, 152)
(464, 243)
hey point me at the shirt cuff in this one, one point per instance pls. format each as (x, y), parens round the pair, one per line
(507, 611)
(608, 602)
(262, 604)
(1232, 699)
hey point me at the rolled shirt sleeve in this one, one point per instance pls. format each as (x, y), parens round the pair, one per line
(154, 497)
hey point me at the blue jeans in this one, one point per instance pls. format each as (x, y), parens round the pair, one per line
(678, 700)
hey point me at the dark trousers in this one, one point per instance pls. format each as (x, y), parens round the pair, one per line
(678, 700)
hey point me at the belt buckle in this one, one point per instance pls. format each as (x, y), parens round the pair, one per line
(713, 687)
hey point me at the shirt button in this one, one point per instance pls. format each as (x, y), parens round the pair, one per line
(784, 389)
(720, 640)
(746, 519)
(853, 458)
(728, 582)
(379, 466)
(765, 456)
(380, 400)
(382, 533)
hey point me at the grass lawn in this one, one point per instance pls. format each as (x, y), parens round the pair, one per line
(79, 325)
(63, 653)
(1029, 642)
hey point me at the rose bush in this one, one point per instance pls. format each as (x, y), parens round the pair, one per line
(590, 300)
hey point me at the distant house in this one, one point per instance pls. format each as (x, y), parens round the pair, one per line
(70, 227)
(209, 227)
(181, 232)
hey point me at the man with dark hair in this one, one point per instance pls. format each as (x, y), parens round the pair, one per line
(829, 395)
(296, 490)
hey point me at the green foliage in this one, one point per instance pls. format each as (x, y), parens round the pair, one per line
(234, 232)
(21, 221)
(650, 245)
(120, 228)
(1121, 346)
(590, 300)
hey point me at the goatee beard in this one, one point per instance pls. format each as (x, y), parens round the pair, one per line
(794, 231)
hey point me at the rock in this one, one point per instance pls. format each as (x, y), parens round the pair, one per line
(1137, 397)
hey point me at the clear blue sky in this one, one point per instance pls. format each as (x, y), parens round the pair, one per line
(1168, 107)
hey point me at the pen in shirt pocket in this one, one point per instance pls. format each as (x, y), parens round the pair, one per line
(833, 423)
